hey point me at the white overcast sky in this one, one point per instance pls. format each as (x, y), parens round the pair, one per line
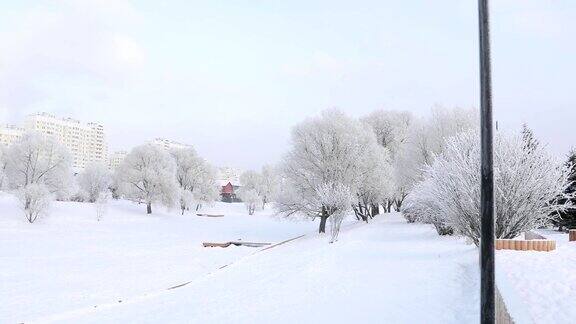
(232, 77)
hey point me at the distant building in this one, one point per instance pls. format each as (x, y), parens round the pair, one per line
(116, 158)
(169, 144)
(229, 180)
(9, 134)
(228, 192)
(86, 142)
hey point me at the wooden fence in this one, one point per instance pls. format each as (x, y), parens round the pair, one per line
(572, 235)
(526, 245)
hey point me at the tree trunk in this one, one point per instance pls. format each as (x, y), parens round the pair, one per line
(375, 209)
(322, 228)
(149, 208)
(323, 218)
(399, 202)
(397, 205)
(389, 203)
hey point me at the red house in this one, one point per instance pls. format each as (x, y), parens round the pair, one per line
(228, 193)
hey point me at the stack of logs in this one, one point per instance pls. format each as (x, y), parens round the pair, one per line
(526, 245)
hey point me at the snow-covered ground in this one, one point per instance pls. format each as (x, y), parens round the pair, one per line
(540, 286)
(70, 268)
(68, 260)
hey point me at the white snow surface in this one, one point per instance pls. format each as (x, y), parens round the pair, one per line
(540, 287)
(69, 268)
(69, 260)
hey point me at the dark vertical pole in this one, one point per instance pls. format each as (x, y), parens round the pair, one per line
(487, 283)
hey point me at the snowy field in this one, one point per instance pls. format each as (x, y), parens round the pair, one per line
(543, 282)
(68, 260)
(70, 268)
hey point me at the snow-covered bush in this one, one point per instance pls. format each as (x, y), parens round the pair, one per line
(325, 150)
(148, 174)
(35, 199)
(422, 207)
(528, 182)
(251, 199)
(94, 181)
(101, 205)
(38, 168)
(195, 177)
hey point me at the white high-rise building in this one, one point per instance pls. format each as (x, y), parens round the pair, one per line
(116, 158)
(168, 144)
(9, 134)
(86, 142)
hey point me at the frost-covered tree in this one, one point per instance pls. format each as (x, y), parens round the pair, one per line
(528, 182)
(529, 139)
(38, 168)
(148, 174)
(566, 219)
(337, 199)
(390, 127)
(207, 190)
(195, 177)
(251, 199)
(375, 182)
(39, 159)
(270, 183)
(425, 140)
(252, 180)
(35, 199)
(326, 152)
(94, 181)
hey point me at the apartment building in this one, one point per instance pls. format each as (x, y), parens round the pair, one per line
(86, 142)
(168, 144)
(9, 134)
(116, 158)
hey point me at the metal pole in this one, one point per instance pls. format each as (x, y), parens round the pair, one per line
(487, 282)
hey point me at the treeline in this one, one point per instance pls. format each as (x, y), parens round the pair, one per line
(38, 169)
(426, 167)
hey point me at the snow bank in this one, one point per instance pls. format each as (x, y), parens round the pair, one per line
(540, 287)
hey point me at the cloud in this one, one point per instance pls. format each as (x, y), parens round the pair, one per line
(128, 51)
(62, 46)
